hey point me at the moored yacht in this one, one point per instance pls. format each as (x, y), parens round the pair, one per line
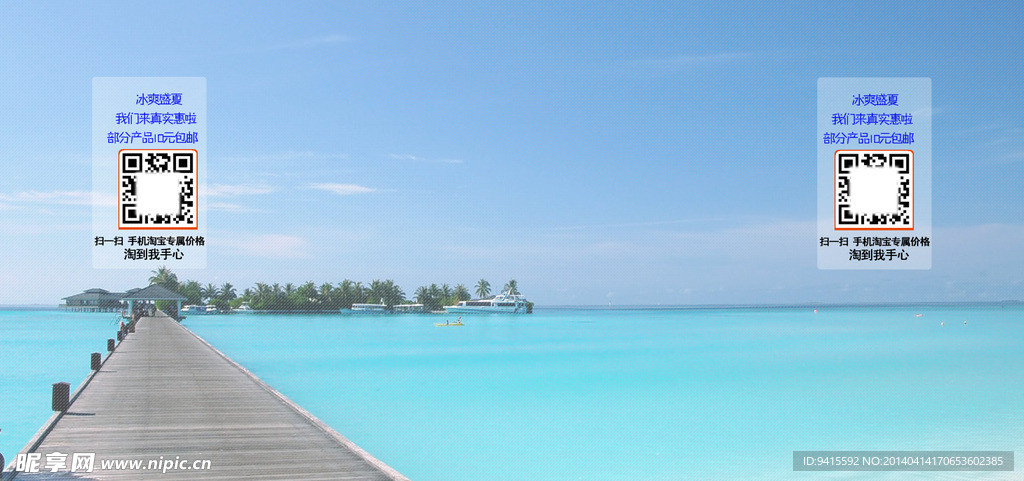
(193, 309)
(502, 303)
(371, 308)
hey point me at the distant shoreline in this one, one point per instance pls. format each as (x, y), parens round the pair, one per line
(627, 307)
(824, 305)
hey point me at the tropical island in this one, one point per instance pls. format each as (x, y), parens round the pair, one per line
(325, 297)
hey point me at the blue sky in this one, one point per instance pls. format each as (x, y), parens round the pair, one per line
(624, 153)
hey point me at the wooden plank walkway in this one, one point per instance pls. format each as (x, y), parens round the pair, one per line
(164, 392)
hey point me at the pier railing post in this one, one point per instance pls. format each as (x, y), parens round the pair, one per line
(110, 345)
(95, 361)
(120, 336)
(61, 396)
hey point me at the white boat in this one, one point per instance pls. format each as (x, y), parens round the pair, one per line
(371, 308)
(197, 310)
(193, 309)
(242, 309)
(502, 303)
(414, 308)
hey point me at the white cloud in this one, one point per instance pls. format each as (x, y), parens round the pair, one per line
(342, 189)
(274, 246)
(423, 159)
(288, 155)
(59, 197)
(45, 229)
(225, 190)
(638, 224)
(406, 157)
(227, 207)
(780, 240)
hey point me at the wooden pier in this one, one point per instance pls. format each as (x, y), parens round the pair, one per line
(164, 394)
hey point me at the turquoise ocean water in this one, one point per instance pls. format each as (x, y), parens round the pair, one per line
(38, 349)
(600, 394)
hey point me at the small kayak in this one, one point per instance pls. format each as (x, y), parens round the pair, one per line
(440, 324)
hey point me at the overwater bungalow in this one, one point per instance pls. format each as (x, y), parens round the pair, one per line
(96, 300)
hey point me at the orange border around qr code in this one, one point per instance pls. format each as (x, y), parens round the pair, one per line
(835, 193)
(196, 207)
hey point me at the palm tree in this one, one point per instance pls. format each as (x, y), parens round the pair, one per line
(511, 286)
(385, 292)
(264, 296)
(436, 298)
(327, 297)
(210, 292)
(461, 293)
(164, 277)
(483, 288)
(351, 292)
(248, 296)
(192, 291)
(423, 295)
(375, 293)
(306, 296)
(227, 292)
(283, 298)
(395, 293)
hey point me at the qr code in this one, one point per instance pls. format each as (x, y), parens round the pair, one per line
(874, 190)
(157, 189)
